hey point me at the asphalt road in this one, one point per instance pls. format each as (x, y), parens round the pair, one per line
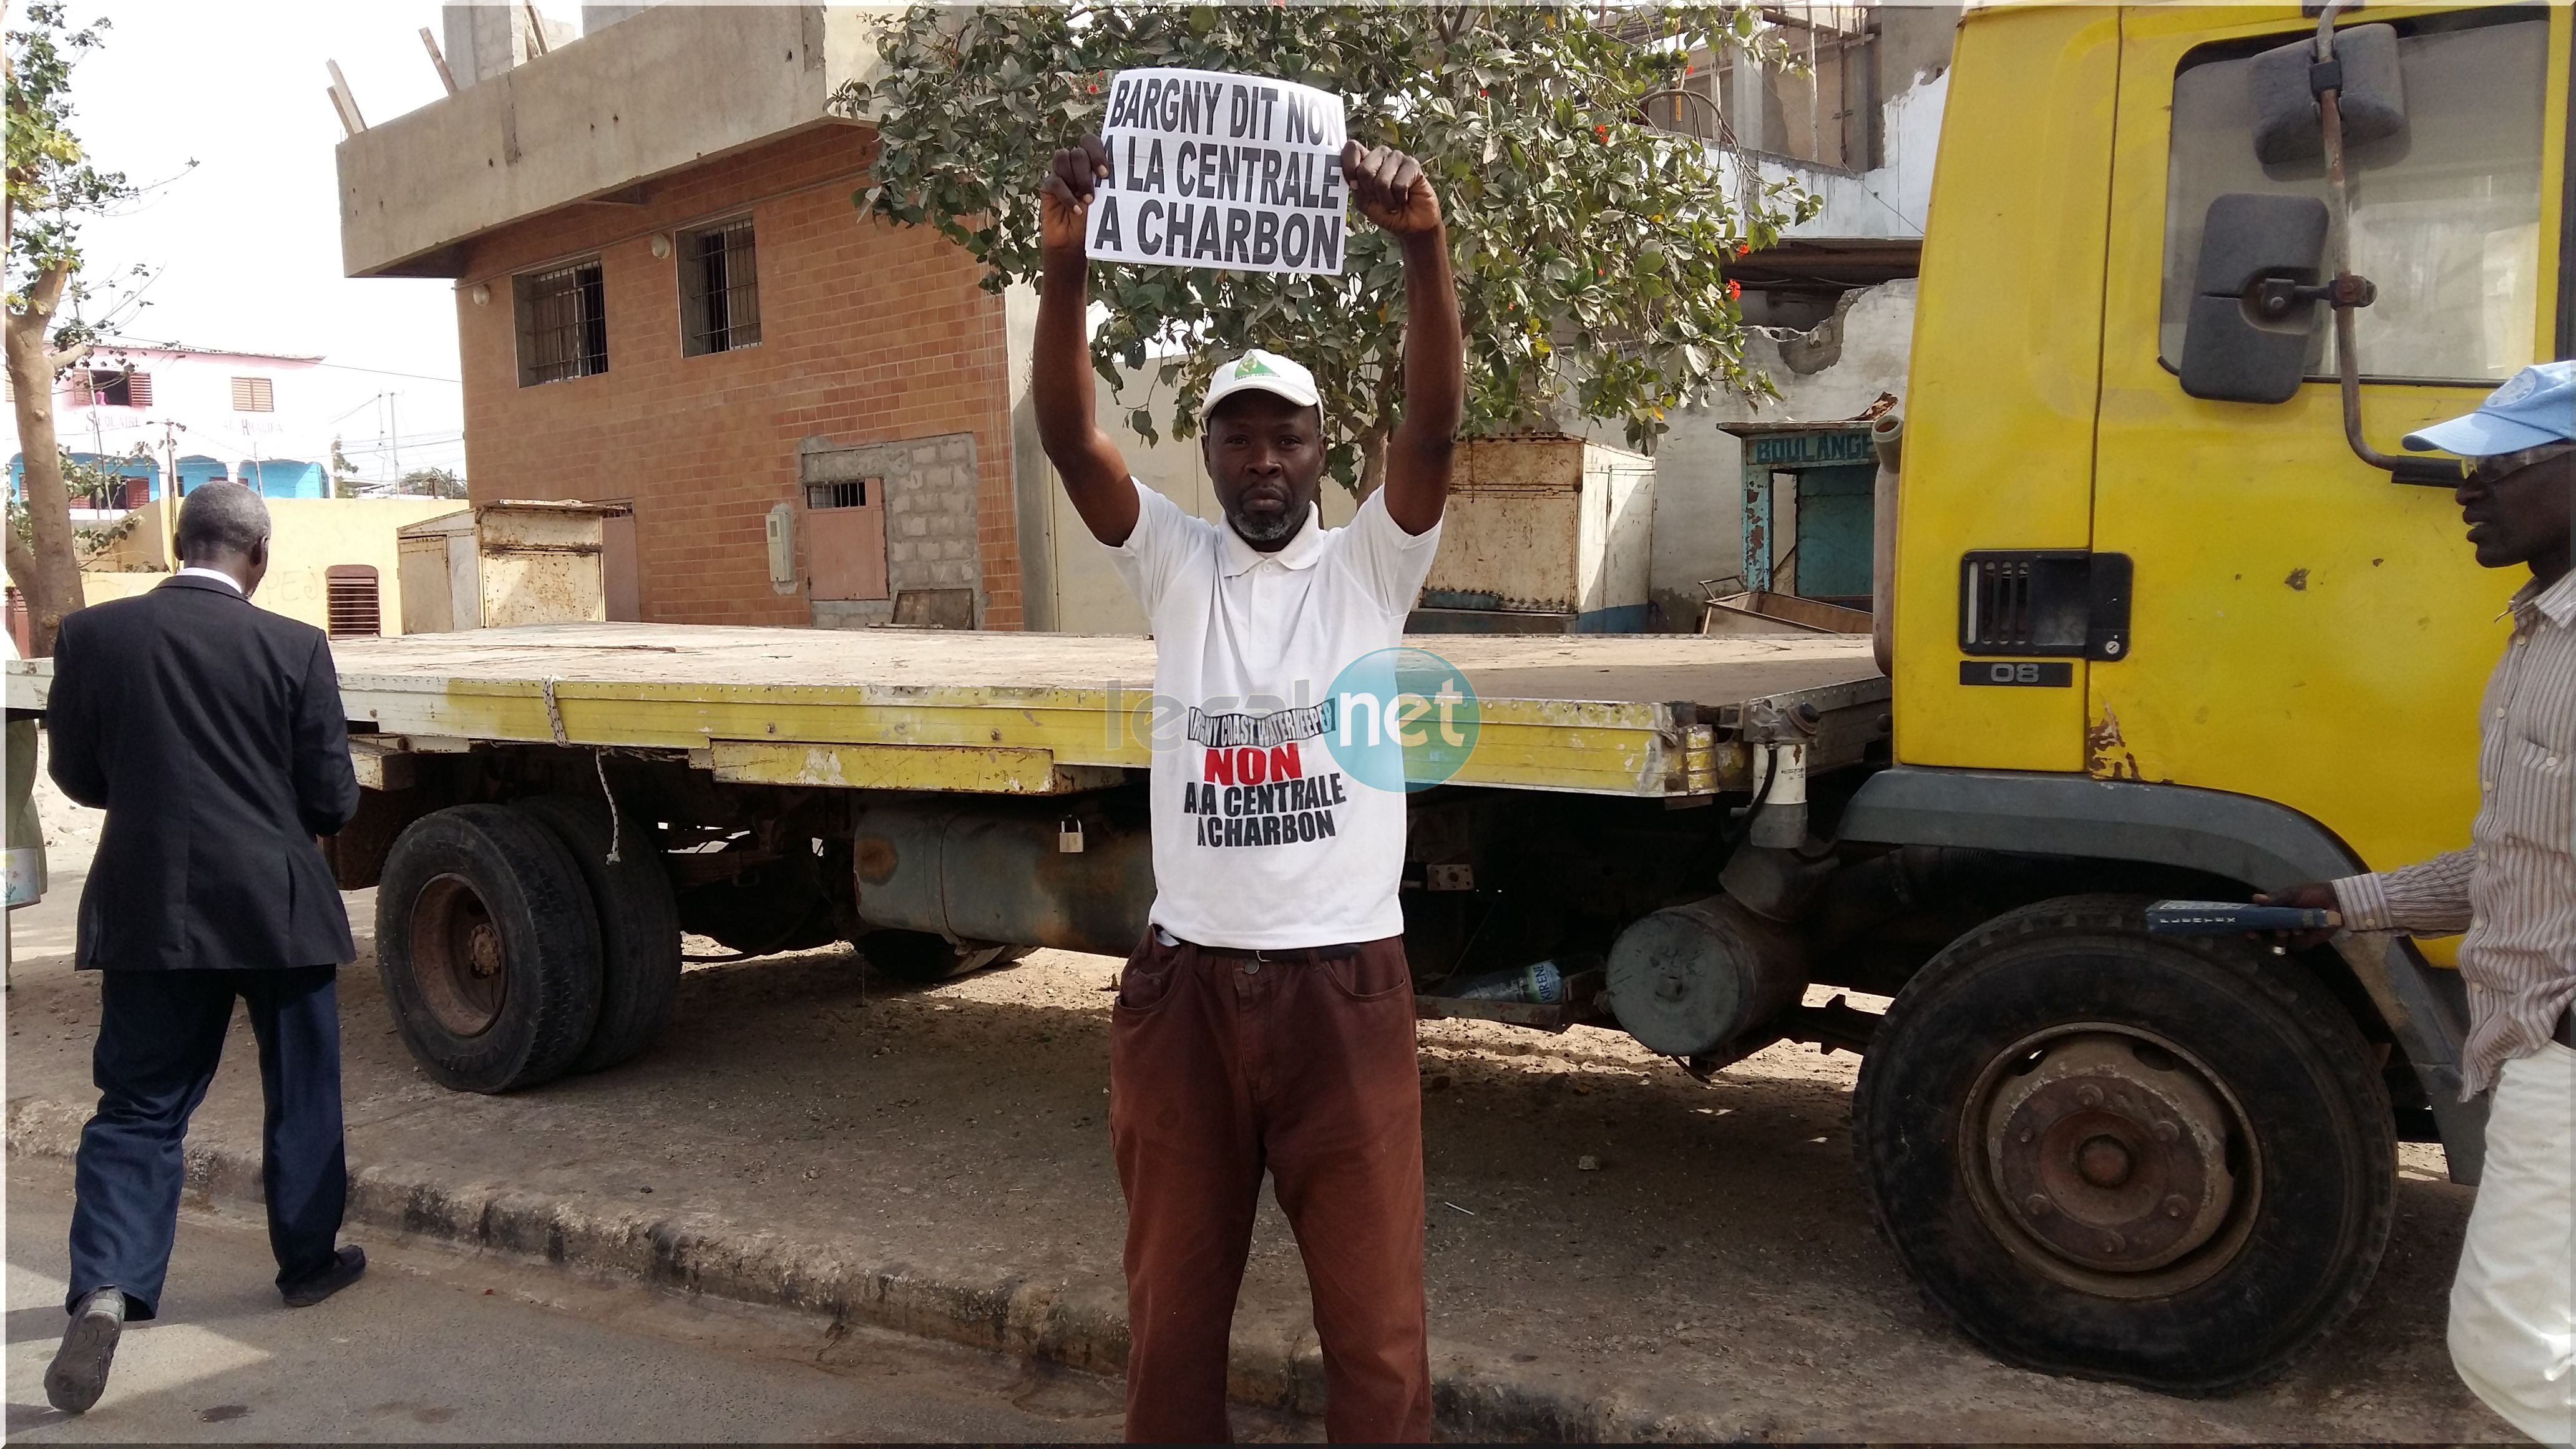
(437, 1345)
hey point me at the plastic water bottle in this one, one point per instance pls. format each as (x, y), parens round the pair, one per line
(1539, 983)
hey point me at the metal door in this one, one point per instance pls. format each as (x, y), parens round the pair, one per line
(845, 537)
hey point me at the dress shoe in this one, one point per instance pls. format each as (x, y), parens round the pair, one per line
(79, 1372)
(346, 1266)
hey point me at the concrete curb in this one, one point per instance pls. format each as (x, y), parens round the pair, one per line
(1276, 1362)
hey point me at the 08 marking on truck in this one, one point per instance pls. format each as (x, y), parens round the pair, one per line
(2022, 673)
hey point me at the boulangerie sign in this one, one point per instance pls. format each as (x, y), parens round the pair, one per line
(1217, 170)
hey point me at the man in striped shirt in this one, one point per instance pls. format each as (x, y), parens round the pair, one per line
(2513, 1303)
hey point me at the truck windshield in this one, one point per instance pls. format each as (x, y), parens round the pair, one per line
(2446, 215)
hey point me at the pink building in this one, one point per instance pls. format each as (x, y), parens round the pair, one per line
(147, 413)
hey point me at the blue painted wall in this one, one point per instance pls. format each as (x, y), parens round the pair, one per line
(144, 469)
(277, 478)
(287, 478)
(197, 468)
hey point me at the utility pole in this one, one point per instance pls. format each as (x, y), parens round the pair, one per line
(393, 411)
(167, 542)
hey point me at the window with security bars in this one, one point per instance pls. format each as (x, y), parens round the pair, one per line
(355, 606)
(719, 289)
(853, 494)
(254, 395)
(563, 323)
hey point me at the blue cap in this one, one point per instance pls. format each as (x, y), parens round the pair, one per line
(2536, 405)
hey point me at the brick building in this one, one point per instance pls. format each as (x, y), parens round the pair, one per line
(665, 298)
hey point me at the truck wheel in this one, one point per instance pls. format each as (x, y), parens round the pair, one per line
(488, 948)
(2159, 1160)
(639, 925)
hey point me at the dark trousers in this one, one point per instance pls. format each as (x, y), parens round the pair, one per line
(1222, 1065)
(159, 1036)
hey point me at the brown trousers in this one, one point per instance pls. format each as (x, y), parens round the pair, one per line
(1222, 1064)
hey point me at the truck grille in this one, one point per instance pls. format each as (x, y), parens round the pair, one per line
(1998, 603)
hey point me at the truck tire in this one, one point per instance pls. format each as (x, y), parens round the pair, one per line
(639, 925)
(488, 948)
(2164, 1161)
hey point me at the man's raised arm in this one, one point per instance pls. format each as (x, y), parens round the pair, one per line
(1095, 477)
(1392, 192)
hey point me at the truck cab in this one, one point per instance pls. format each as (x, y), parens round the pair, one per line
(2158, 623)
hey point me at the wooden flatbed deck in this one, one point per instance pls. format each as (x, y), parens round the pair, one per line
(925, 709)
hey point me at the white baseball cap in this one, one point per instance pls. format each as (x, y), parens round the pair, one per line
(1259, 371)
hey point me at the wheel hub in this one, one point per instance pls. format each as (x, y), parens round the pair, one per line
(483, 949)
(2110, 1153)
(459, 961)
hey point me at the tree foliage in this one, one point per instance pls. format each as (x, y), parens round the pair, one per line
(95, 484)
(52, 188)
(53, 185)
(1589, 245)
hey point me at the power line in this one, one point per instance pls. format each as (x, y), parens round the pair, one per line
(389, 372)
(406, 440)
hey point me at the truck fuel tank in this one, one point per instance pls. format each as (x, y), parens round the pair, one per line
(1688, 979)
(1008, 871)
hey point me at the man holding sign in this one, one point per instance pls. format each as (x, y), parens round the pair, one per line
(1266, 1020)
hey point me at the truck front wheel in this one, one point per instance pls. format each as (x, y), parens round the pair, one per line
(2163, 1161)
(488, 948)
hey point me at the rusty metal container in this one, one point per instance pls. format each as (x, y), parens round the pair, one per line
(1548, 524)
(504, 563)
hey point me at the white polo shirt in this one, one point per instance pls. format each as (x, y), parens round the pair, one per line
(1261, 840)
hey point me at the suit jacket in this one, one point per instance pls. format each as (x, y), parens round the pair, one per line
(210, 731)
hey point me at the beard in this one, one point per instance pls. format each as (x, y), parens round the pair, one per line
(1258, 529)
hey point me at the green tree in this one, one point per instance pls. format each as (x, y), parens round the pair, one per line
(1589, 245)
(95, 484)
(52, 188)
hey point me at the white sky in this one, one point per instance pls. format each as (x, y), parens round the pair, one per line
(248, 243)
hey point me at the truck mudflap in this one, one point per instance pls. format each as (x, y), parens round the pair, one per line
(2265, 845)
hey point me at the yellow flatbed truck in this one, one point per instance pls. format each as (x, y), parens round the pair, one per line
(949, 798)
(2159, 617)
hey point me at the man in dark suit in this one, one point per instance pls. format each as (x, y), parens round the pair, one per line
(210, 731)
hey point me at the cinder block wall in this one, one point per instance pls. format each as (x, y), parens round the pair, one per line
(869, 333)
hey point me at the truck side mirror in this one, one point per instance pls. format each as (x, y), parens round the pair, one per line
(2288, 123)
(2254, 298)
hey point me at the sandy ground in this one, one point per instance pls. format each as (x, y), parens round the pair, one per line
(1719, 1264)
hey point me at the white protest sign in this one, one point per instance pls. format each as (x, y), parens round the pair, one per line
(1216, 170)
